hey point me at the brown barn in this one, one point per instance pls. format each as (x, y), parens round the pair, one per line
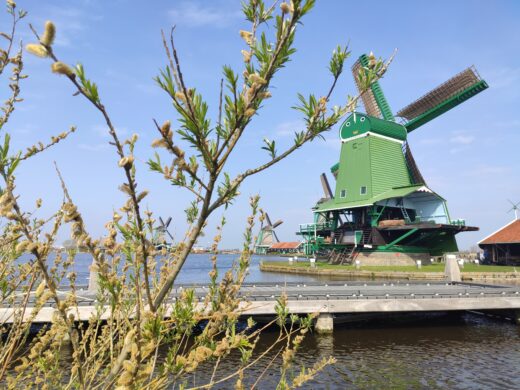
(503, 246)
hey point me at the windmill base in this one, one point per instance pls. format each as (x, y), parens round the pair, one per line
(377, 258)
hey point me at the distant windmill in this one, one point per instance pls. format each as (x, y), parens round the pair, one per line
(161, 233)
(514, 208)
(267, 235)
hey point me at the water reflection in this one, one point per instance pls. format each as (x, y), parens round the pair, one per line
(468, 352)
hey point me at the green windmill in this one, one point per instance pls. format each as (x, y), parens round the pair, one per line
(382, 210)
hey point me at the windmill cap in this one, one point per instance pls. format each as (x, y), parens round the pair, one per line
(357, 124)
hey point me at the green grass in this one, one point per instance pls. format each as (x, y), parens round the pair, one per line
(406, 268)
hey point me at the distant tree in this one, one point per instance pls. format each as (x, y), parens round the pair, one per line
(475, 249)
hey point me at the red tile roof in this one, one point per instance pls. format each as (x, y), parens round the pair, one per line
(285, 245)
(509, 234)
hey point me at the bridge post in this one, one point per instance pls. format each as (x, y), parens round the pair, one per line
(451, 269)
(93, 281)
(324, 323)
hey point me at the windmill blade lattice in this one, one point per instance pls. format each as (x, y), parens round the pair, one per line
(373, 99)
(368, 98)
(446, 96)
(326, 187)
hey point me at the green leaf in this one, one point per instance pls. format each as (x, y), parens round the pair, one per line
(155, 165)
(270, 146)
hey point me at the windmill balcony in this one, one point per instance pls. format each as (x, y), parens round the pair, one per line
(458, 222)
(315, 227)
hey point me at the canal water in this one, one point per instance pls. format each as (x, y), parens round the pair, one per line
(465, 351)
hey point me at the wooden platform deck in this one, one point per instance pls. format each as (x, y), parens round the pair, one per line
(329, 298)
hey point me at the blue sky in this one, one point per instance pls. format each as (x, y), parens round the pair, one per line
(470, 155)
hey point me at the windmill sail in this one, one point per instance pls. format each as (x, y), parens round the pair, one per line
(373, 99)
(277, 223)
(326, 186)
(446, 96)
(369, 101)
(267, 235)
(415, 174)
(160, 233)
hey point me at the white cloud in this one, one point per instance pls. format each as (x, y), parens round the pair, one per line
(195, 14)
(462, 139)
(458, 150)
(287, 129)
(513, 123)
(504, 77)
(25, 129)
(487, 170)
(71, 22)
(430, 141)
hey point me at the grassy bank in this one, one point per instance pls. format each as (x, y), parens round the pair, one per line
(411, 268)
(470, 272)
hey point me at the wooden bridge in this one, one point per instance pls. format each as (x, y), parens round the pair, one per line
(331, 300)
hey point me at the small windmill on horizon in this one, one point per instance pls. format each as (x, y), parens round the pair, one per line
(161, 233)
(514, 208)
(267, 235)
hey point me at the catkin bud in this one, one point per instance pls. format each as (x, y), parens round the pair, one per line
(180, 95)
(159, 143)
(126, 161)
(178, 151)
(247, 56)
(61, 68)
(39, 291)
(129, 337)
(134, 350)
(265, 95)
(247, 36)
(32, 246)
(141, 196)
(250, 112)
(37, 49)
(22, 246)
(372, 60)
(129, 366)
(165, 128)
(48, 35)
(285, 8)
(125, 379)
(255, 78)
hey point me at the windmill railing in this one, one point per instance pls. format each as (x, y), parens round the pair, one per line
(312, 227)
(458, 222)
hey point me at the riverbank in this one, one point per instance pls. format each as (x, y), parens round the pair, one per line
(470, 272)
